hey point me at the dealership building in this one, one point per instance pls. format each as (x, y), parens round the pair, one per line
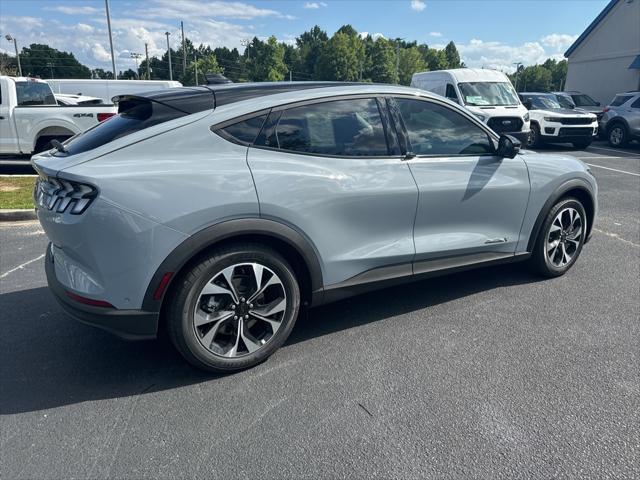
(605, 59)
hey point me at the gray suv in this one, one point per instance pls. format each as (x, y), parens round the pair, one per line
(216, 213)
(621, 120)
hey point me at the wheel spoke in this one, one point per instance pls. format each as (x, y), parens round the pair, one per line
(575, 234)
(202, 318)
(227, 273)
(274, 307)
(553, 245)
(275, 324)
(213, 289)
(272, 281)
(210, 335)
(251, 344)
(257, 272)
(233, 351)
(565, 256)
(555, 227)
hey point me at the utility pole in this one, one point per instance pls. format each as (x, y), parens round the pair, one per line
(169, 50)
(15, 46)
(146, 53)
(113, 58)
(136, 56)
(195, 65)
(398, 60)
(290, 79)
(518, 65)
(184, 51)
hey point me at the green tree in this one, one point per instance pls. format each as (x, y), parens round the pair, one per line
(231, 63)
(265, 60)
(128, 74)
(102, 74)
(452, 56)
(383, 62)
(310, 45)
(341, 58)
(411, 61)
(435, 59)
(40, 60)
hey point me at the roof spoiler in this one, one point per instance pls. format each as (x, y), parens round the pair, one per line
(186, 100)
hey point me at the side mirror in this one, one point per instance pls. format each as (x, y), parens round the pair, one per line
(527, 104)
(508, 146)
(454, 99)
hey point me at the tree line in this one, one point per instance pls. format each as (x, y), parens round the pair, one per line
(345, 56)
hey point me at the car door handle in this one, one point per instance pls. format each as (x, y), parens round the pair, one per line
(1, 118)
(496, 240)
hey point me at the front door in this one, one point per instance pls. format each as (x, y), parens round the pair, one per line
(472, 202)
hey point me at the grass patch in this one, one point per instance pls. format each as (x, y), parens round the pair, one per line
(16, 192)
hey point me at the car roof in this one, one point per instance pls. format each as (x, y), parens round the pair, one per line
(196, 99)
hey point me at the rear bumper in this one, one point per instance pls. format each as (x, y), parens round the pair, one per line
(127, 324)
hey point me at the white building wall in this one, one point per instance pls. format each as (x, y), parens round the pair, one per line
(599, 66)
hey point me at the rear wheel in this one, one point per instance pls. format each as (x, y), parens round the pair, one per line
(234, 308)
(560, 239)
(617, 135)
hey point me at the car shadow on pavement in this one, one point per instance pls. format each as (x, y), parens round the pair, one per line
(50, 360)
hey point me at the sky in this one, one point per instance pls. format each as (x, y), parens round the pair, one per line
(490, 34)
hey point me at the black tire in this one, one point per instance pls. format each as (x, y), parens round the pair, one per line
(540, 261)
(582, 144)
(617, 135)
(534, 136)
(183, 298)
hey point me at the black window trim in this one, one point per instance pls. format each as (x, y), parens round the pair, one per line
(300, 103)
(493, 137)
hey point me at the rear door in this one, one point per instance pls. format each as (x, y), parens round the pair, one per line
(472, 202)
(332, 169)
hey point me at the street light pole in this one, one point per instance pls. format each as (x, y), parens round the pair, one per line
(184, 51)
(15, 46)
(517, 64)
(113, 58)
(136, 56)
(169, 50)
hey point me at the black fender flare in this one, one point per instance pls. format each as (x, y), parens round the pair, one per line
(615, 120)
(558, 193)
(227, 230)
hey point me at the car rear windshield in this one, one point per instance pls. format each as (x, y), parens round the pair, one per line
(619, 100)
(134, 114)
(582, 100)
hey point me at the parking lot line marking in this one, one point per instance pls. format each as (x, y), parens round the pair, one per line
(614, 170)
(616, 236)
(612, 150)
(20, 267)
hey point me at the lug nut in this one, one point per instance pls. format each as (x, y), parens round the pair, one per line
(251, 305)
(233, 307)
(246, 317)
(242, 299)
(235, 317)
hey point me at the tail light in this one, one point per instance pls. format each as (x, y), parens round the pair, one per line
(605, 109)
(60, 195)
(103, 116)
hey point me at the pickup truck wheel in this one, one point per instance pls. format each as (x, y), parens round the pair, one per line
(44, 143)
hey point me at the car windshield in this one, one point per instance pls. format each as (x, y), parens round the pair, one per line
(543, 102)
(565, 102)
(583, 100)
(488, 93)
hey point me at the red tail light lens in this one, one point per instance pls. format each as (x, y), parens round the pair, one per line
(88, 301)
(103, 116)
(605, 109)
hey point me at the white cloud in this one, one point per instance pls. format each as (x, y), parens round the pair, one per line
(314, 5)
(84, 10)
(374, 36)
(418, 5)
(435, 34)
(559, 41)
(100, 53)
(181, 9)
(500, 56)
(84, 28)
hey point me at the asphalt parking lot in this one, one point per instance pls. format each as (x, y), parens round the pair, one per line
(486, 374)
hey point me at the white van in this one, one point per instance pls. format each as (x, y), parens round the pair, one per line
(488, 94)
(107, 89)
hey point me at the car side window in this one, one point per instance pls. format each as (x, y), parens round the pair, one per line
(347, 128)
(34, 93)
(451, 93)
(438, 130)
(636, 104)
(245, 131)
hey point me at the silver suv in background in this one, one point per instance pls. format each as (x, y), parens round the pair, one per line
(216, 213)
(620, 122)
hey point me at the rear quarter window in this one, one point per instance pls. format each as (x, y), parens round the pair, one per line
(619, 100)
(243, 132)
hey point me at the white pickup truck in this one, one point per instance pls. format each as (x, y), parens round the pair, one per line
(30, 117)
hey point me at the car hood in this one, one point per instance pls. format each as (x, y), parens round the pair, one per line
(564, 112)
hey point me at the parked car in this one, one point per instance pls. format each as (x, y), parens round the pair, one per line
(107, 89)
(577, 100)
(550, 123)
(65, 99)
(621, 119)
(220, 223)
(488, 94)
(31, 119)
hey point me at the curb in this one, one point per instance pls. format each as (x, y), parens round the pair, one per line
(17, 215)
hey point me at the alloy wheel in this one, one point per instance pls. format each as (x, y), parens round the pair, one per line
(616, 135)
(564, 237)
(239, 310)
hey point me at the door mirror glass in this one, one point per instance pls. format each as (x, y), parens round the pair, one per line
(508, 146)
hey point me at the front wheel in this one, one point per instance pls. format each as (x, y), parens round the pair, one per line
(534, 136)
(560, 239)
(233, 308)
